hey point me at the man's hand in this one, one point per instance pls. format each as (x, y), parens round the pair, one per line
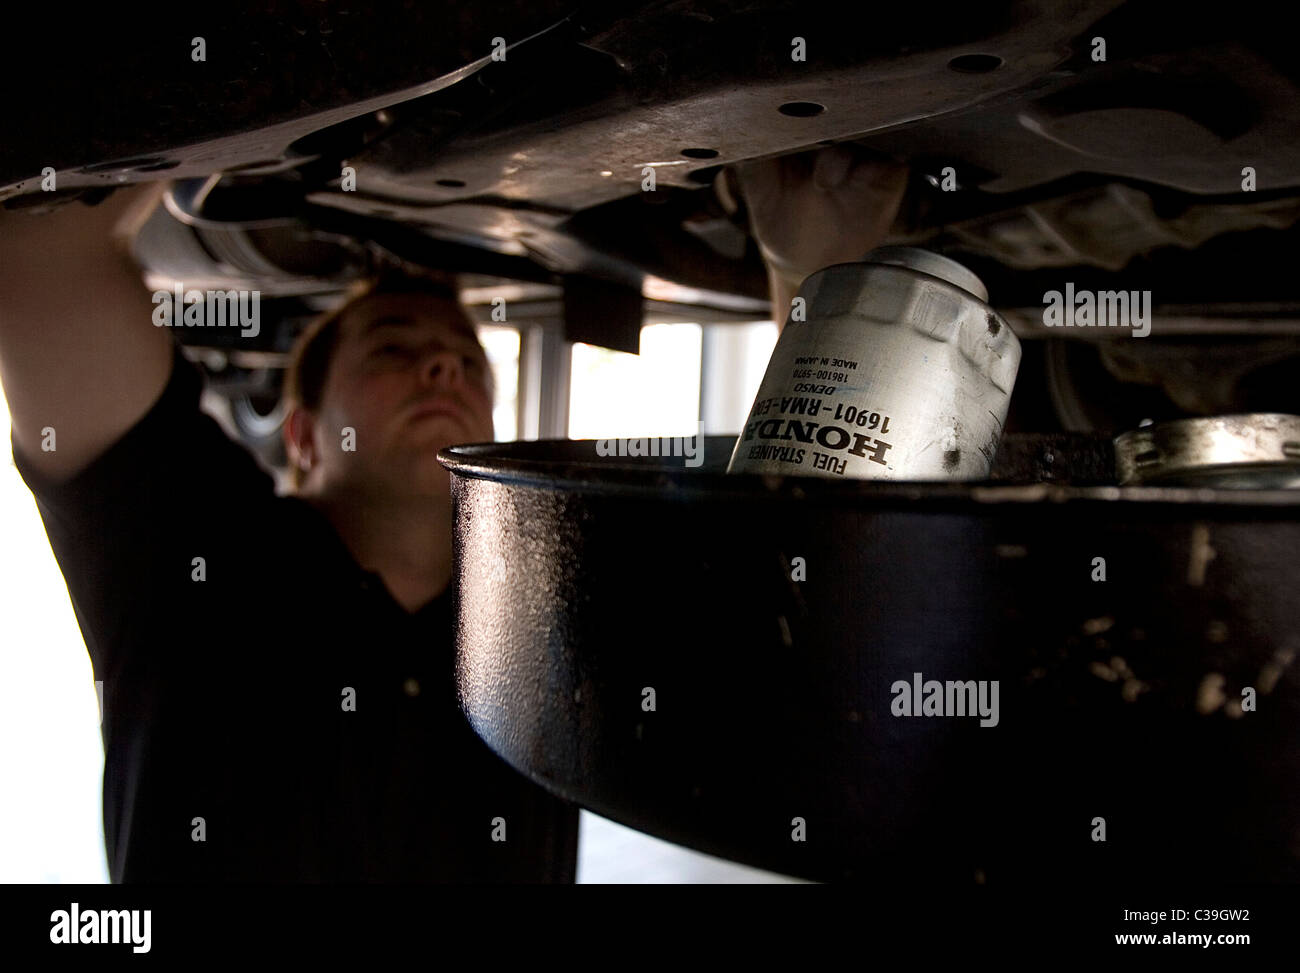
(815, 209)
(79, 353)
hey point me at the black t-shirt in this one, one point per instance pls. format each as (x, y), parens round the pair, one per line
(282, 719)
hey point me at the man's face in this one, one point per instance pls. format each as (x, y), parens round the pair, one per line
(410, 377)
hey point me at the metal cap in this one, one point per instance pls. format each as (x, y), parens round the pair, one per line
(934, 264)
(1252, 451)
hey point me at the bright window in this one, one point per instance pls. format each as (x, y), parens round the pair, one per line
(655, 393)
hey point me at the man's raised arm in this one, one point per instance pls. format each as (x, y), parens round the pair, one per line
(80, 360)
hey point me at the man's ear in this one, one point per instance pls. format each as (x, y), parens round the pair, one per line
(299, 433)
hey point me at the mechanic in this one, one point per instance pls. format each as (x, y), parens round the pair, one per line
(279, 697)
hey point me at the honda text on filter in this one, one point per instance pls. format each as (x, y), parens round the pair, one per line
(891, 369)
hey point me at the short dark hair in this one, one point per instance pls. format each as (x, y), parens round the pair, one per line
(313, 350)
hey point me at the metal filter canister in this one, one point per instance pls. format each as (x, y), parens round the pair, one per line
(1254, 451)
(897, 370)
